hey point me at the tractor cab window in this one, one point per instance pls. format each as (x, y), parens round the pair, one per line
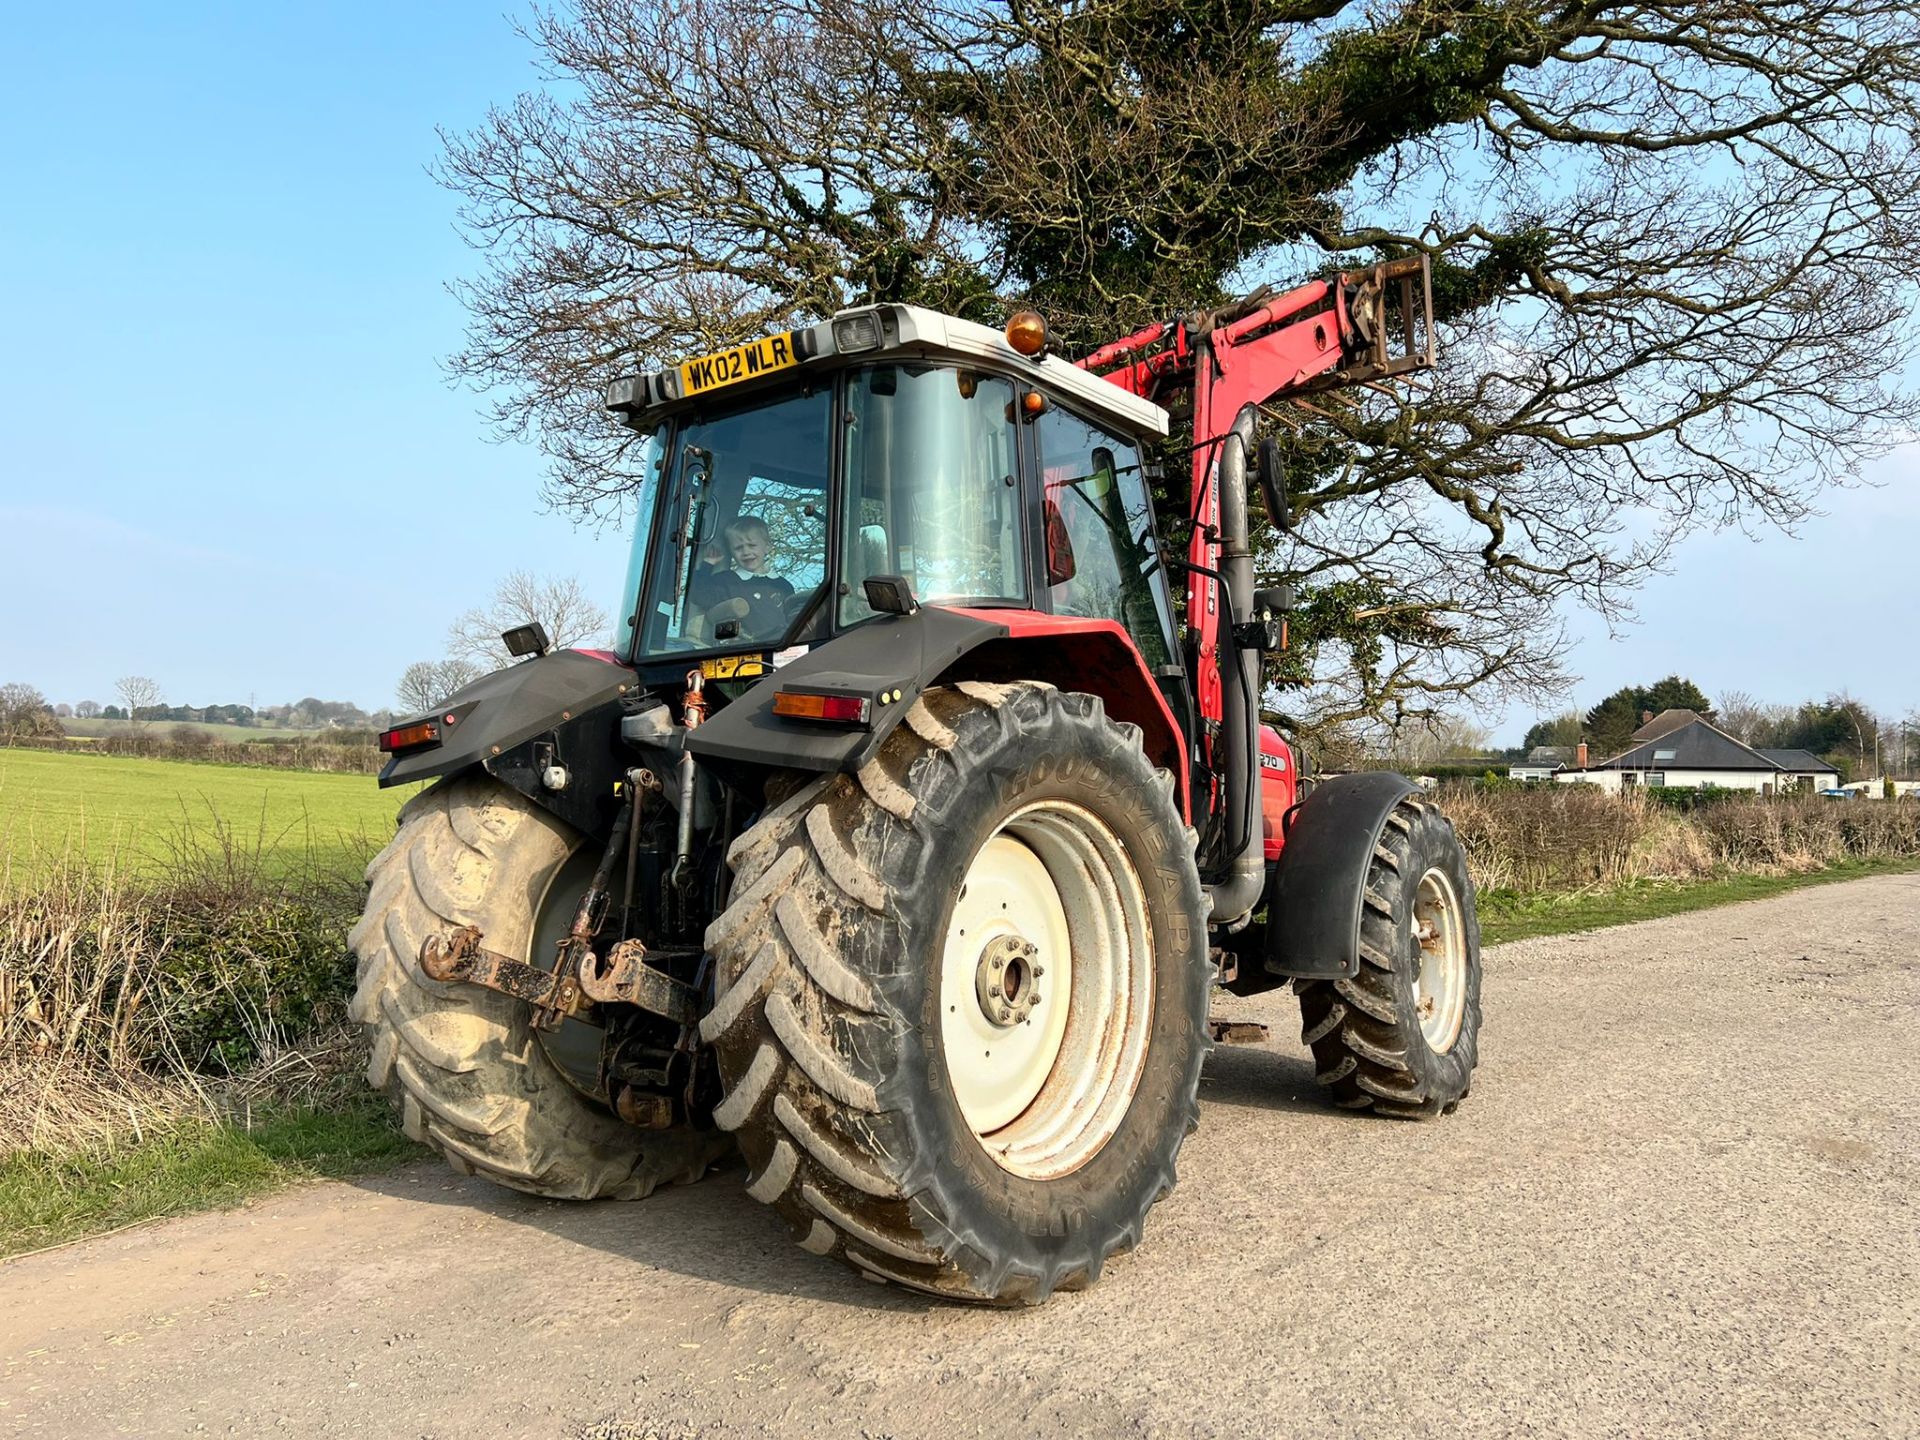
(1101, 559)
(931, 492)
(739, 547)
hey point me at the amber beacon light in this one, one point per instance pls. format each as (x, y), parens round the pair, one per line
(1027, 332)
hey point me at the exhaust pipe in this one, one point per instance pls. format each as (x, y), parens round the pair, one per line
(1234, 898)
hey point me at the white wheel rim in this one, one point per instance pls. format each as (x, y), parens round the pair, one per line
(1440, 941)
(1045, 1077)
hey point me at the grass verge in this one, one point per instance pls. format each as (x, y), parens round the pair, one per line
(50, 1198)
(1506, 916)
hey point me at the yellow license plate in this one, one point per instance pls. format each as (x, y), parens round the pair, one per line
(743, 362)
(733, 667)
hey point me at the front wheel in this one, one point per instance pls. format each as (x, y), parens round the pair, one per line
(962, 997)
(1402, 1037)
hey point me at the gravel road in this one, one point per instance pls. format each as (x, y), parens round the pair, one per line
(1681, 1200)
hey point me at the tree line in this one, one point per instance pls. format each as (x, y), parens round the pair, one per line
(27, 714)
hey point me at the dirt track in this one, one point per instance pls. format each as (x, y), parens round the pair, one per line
(1684, 1198)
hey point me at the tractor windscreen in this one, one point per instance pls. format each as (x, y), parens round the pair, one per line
(930, 486)
(739, 549)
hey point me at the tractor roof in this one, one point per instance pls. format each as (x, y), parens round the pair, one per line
(867, 333)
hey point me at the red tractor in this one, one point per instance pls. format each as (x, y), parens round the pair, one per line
(904, 838)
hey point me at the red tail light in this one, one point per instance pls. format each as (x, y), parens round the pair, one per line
(835, 709)
(411, 737)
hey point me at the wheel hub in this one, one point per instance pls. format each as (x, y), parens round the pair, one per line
(1007, 980)
(1439, 961)
(1046, 991)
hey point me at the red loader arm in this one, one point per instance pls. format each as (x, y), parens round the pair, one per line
(1320, 336)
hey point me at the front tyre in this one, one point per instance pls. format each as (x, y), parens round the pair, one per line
(1402, 1037)
(962, 997)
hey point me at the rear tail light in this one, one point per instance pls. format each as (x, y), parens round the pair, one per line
(834, 709)
(410, 737)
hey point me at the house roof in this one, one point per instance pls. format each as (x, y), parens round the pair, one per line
(1695, 745)
(1665, 723)
(1798, 760)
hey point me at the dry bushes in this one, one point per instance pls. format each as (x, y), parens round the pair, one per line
(1808, 833)
(1561, 837)
(131, 1000)
(1532, 839)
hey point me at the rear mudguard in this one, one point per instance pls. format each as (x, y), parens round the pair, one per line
(890, 660)
(558, 710)
(1319, 885)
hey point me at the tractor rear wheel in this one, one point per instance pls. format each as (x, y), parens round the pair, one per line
(962, 996)
(470, 1076)
(1402, 1037)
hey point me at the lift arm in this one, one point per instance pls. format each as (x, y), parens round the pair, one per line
(1319, 336)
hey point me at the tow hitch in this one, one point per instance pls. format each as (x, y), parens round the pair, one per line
(624, 977)
(579, 979)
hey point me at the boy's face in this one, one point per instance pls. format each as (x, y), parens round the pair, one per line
(749, 549)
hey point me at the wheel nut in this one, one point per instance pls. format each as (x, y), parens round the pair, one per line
(1038, 971)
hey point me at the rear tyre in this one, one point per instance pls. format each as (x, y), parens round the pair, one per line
(1402, 1037)
(962, 996)
(468, 1073)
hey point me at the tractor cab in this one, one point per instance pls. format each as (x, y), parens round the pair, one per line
(777, 477)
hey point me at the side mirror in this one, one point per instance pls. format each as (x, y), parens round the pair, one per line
(1268, 469)
(1278, 600)
(1267, 630)
(1100, 478)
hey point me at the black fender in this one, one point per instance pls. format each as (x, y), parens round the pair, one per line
(1319, 885)
(888, 661)
(558, 709)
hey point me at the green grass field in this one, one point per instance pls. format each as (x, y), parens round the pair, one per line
(138, 812)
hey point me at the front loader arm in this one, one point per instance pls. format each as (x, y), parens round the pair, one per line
(1319, 336)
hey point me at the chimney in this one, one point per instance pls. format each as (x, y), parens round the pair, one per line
(1646, 717)
(1580, 756)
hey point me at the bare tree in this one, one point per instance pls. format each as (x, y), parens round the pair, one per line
(1672, 246)
(1437, 739)
(426, 683)
(1741, 716)
(419, 687)
(24, 714)
(87, 709)
(558, 603)
(137, 692)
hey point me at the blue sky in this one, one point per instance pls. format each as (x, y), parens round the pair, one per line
(229, 458)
